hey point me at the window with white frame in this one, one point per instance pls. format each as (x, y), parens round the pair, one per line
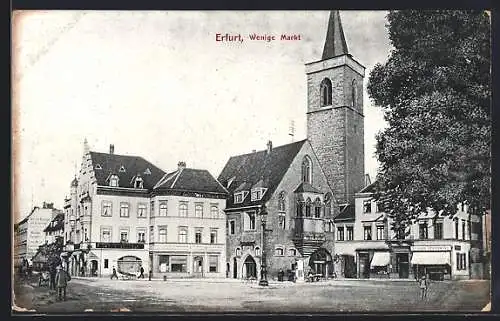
(106, 208)
(198, 235)
(141, 210)
(152, 208)
(214, 211)
(213, 236)
(124, 235)
(138, 182)
(141, 235)
(198, 210)
(367, 232)
(239, 197)
(163, 208)
(278, 251)
(292, 252)
(105, 234)
(183, 209)
(380, 232)
(113, 181)
(367, 206)
(238, 251)
(349, 231)
(257, 194)
(257, 251)
(282, 221)
(151, 234)
(183, 234)
(340, 233)
(162, 234)
(232, 227)
(307, 170)
(249, 221)
(124, 209)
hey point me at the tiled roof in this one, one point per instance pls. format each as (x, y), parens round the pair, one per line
(335, 44)
(250, 169)
(372, 188)
(133, 165)
(346, 214)
(189, 179)
(59, 223)
(305, 187)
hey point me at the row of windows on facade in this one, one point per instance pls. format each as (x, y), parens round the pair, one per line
(346, 233)
(178, 263)
(326, 92)
(278, 251)
(256, 194)
(137, 181)
(367, 206)
(107, 209)
(182, 236)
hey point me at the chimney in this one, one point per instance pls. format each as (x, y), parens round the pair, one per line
(181, 165)
(254, 151)
(111, 149)
(269, 147)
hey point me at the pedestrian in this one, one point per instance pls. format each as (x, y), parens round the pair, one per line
(150, 274)
(114, 275)
(52, 282)
(62, 279)
(423, 285)
(142, 273)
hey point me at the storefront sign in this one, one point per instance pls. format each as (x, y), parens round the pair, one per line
(458, 247)
(430, 248)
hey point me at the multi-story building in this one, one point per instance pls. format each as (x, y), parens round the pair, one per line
(29, 232)
(55, 228)
(125, 212)
(439, 246)
(289, 182)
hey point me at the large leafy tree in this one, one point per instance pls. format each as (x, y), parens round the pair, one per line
(435, 91)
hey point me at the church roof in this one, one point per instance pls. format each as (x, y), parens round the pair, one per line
(305, 187)
(125, 167)
(248, 170)
(335, 44)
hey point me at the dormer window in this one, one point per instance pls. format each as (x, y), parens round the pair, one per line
(113, 181)
(138, 182)
(240, 197)
(122, 169)
(257, 193)
(98, 166)
(147, 171)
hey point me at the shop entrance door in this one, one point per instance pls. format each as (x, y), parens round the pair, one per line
(364, 265)
(403, 265)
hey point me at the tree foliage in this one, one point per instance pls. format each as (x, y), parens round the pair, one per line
(52, 252)
(435, 91)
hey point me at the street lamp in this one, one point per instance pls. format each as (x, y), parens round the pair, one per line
(263, 269)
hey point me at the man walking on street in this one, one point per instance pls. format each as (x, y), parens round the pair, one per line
(423, 284)
(114, 275)
(62, 279)
(52, 273)
(142, 273)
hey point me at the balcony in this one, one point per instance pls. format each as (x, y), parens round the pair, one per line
(308, 242)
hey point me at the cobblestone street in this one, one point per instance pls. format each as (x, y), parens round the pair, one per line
(104, 295)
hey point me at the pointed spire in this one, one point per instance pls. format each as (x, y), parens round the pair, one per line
(86, 148)
(335, 44)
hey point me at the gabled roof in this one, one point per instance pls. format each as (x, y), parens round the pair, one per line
(372, 188)
(59, 223)
(305, 187)
(347, 214)
(189, 179)
(111, 164)
(335, 44)
(249, 169)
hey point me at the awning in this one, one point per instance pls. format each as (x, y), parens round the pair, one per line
(380, 259)
(430, 258)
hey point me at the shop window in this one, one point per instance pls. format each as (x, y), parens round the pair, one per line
(178, 263)
(163, 263)
(213, 263)
(106, 263)
(461, 261)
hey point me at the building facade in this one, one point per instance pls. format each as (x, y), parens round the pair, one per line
(289, 182)
(125, 212)
(440, 247)
(29, 233)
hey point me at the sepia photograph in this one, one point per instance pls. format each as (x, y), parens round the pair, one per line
(251, 161)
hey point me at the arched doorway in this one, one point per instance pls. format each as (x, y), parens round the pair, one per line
(235, 268)
(129, 264)
(320, 262)
(198, 266)
(250, 268)
(93, 268)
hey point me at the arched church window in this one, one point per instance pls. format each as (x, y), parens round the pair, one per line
(354, 93)
(306, 170)
(281, 202)
(328, 204)
(326, 92)
(308, 207)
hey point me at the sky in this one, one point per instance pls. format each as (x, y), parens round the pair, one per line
(157, 84)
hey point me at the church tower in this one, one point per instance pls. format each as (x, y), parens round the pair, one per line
(335, 120)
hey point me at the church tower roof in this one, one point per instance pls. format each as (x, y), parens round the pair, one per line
(335, 44)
